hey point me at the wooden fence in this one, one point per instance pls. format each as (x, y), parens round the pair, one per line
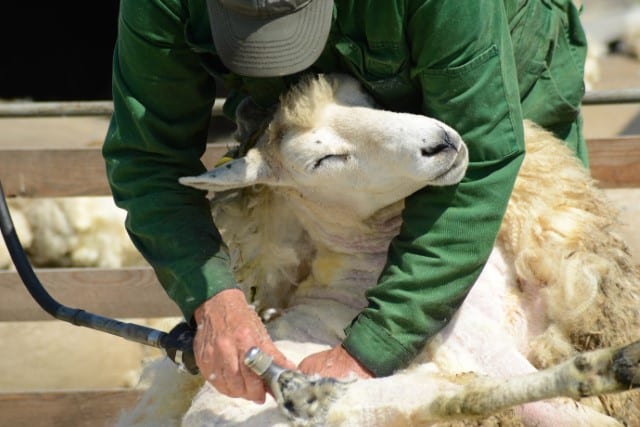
(45, 172)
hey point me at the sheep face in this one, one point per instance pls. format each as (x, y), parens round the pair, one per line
(396, 155)
(319, 149)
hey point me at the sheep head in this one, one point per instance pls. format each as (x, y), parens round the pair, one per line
(329, 143)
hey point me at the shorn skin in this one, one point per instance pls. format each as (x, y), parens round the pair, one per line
(308, 215)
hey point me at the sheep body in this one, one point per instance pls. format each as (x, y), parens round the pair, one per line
(546, 292)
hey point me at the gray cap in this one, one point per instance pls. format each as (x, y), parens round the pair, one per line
(266, 38)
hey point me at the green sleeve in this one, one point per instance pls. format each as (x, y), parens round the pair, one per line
(464, 62)
(162, 107)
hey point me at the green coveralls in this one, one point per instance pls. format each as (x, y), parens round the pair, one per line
(481, 66)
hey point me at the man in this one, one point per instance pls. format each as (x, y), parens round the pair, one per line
(480, 66)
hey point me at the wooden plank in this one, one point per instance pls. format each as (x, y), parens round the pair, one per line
(64, 172)
(115, 293)
(615, 162)
(72, 108)
(50, 172)
(65, 408)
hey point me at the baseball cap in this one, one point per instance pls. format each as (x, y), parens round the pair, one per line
(267, 38)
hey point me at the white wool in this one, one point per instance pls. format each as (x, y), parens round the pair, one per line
(631, 36)
(162, 402)
(22, 229)
(267, 250)
(592, 68)
(73, 232)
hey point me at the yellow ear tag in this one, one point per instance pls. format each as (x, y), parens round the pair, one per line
(222, 161)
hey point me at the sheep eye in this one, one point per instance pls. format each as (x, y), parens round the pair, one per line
(330, 158)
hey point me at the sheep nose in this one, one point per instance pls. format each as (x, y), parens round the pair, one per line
(445, 143)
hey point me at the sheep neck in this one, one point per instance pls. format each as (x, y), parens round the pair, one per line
(350, 251)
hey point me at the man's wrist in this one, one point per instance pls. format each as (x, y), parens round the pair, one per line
(374, 348)
(224, 297)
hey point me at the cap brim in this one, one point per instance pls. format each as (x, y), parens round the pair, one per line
(266, 47)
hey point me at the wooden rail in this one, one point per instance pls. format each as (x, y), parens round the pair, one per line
(95, 290)
(86, 408)
(47, 172)
(71, 108)
(615, 162)
(105, 108)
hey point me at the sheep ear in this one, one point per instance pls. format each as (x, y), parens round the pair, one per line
(243, 172)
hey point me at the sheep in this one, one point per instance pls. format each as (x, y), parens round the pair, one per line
(548, 291)
(631, 36)
(24, 232)
(73, 232)
(612, 24)
(592, 69)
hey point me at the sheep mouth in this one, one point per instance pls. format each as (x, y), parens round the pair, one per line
(456, 171)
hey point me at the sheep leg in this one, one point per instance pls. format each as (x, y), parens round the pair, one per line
(421, 396)
(598, 372)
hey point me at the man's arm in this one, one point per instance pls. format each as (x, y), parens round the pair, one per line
(463, 59)
(163, 99)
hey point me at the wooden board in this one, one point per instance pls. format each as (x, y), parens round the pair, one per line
(615, 162)
(115, 293)
(94, 408)
(64, 172)
(50, 172)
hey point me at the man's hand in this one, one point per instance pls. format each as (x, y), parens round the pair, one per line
(335, 363)
(227, 329)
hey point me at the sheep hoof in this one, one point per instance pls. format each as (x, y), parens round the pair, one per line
(305, 400)
(626, 365)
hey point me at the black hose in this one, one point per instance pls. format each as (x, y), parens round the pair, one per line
(178, 343)
(21, 262)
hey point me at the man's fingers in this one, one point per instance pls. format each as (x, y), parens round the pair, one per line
(236, 379)
(255, 388)
(230, 368)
